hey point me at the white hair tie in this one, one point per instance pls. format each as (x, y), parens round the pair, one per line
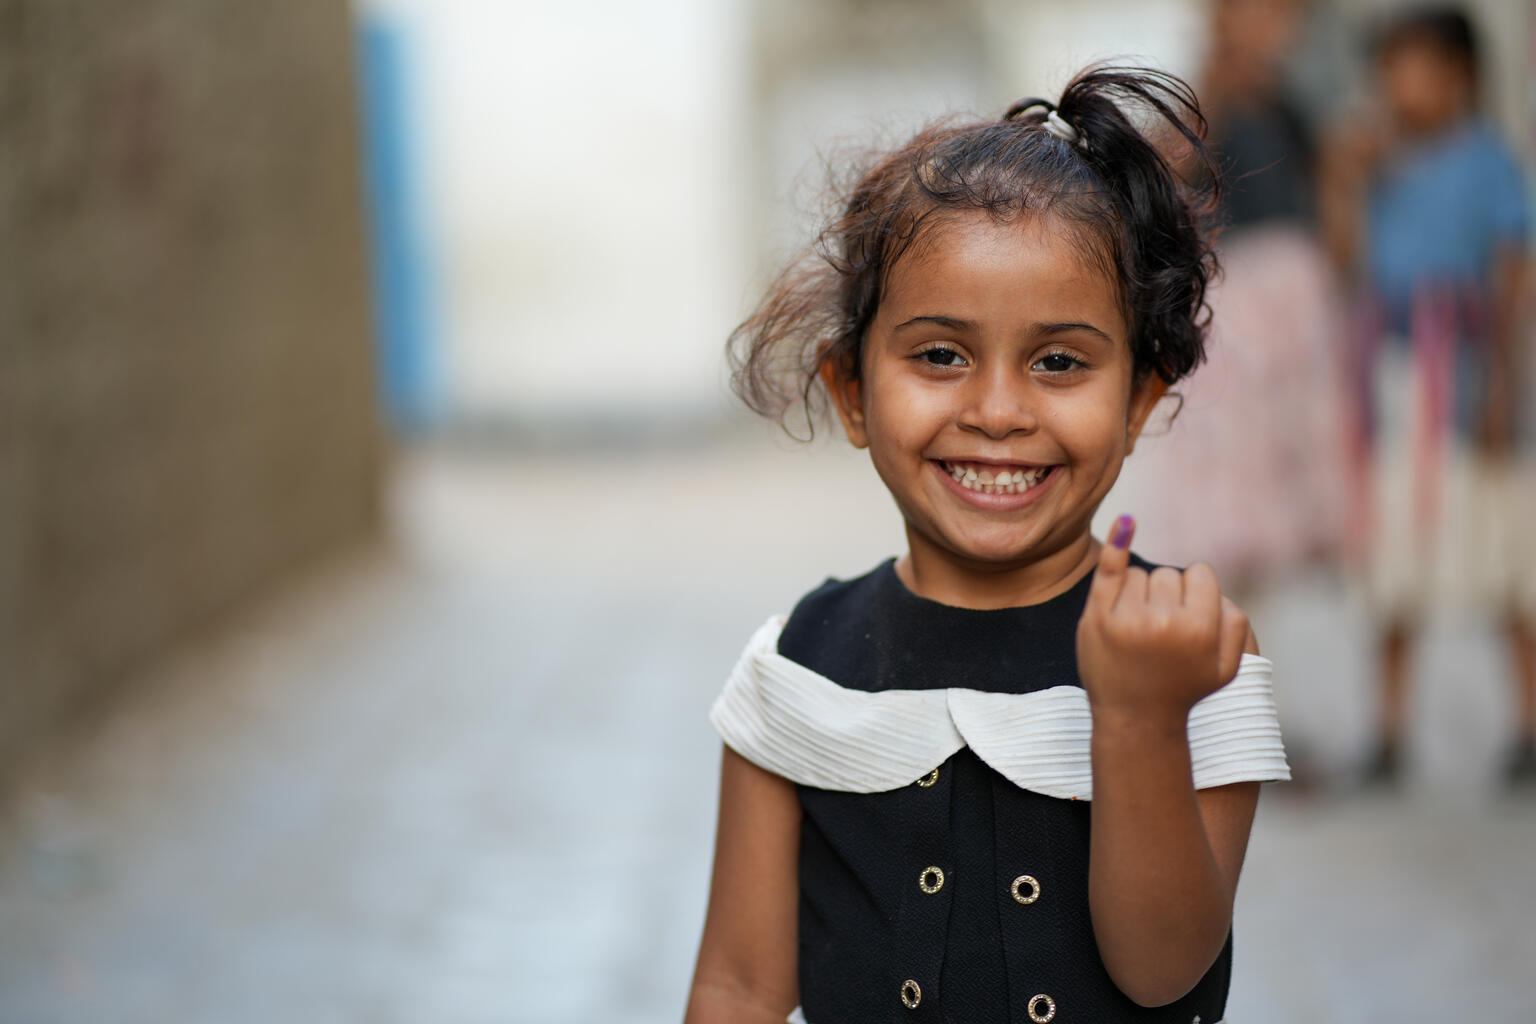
(1053, 122)
(1061, 128)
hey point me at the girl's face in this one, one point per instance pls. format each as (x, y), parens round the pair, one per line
(996, 398)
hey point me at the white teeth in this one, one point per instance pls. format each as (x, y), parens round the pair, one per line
(999, 482)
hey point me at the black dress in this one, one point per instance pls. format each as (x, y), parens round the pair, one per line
(961, 898)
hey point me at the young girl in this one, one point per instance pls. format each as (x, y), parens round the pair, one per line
(999, 778)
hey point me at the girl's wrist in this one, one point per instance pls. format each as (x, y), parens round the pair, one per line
(1140, 726)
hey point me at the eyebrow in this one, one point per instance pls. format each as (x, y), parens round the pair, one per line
(955, 323)
(942, 321)
(1070, 326)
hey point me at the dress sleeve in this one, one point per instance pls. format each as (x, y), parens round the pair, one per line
(802, 726)
(1234, 734)
(1042, 741)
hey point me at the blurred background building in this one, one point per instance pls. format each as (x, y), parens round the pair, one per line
(187, 389)
(376, 527)
(695, 132)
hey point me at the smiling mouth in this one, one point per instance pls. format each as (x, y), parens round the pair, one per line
(987, 478)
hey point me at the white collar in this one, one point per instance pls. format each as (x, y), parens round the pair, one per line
(804, 727)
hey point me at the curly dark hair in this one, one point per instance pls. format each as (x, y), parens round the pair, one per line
(1139, 220)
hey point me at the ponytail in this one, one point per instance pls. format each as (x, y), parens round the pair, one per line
(1164, 224)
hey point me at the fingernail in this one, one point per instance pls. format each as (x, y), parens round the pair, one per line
(1120, 533)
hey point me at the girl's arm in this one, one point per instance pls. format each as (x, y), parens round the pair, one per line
(747, 966)
(1511, 284)
(1164, 859)
(1349, 156)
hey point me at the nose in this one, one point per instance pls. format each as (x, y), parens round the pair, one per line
(997, 402)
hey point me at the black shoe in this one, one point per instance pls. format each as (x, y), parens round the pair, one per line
(1520, 765)
(1384, 768)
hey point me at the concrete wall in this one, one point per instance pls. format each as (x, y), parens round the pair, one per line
(186, 388)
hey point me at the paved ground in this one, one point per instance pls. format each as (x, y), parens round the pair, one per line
(467, 778)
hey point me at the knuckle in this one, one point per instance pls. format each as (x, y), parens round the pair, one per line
(1124, 625)
(1201, 570)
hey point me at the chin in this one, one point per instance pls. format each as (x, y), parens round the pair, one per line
(998, 553)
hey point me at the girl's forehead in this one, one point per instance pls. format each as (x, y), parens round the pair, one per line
(976, 257)
(946, 233)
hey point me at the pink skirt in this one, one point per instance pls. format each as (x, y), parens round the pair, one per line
(1251, 474)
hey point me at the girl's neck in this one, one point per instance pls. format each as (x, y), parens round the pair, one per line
(939, 576)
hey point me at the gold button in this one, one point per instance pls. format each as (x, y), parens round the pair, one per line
(929, 779)
(1034, 1009)
(912, 994)
(931, 880)
(1034, 891)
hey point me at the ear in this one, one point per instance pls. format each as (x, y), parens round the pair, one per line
(847, 397)
(1144, 398)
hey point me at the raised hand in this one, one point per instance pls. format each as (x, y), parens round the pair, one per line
(1152, 644)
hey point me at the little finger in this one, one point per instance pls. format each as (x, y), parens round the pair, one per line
(1233, 638)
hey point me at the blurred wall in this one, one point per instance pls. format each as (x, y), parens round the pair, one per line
(186, 389)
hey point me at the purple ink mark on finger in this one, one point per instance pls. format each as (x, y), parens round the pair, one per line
(1120, 533)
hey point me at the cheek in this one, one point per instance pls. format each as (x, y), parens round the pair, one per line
(1093, 430)
(900, 412)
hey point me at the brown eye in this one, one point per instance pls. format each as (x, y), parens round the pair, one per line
(1058, 362)
(941, 356)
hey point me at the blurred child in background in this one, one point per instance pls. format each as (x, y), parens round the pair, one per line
(1258, 432)
(1425, 210)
